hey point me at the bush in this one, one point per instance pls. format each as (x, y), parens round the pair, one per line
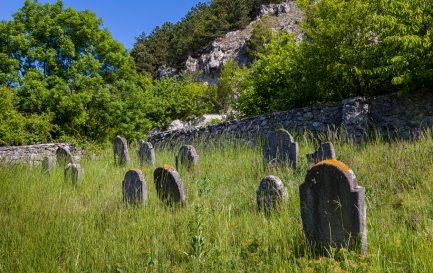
(18, 129)
(169, 99)
(354, 48)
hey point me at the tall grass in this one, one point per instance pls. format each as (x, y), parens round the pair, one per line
(49, 226)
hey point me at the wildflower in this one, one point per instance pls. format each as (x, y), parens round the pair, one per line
(416, 133)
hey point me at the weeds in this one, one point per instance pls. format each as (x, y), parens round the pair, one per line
(49, 226)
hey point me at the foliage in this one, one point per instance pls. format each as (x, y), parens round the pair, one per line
(64, 77)
(19, 129)
(354, 48)
(61, 63)
(407, 39)
(261, 35)
(49, 226)
(228, 89)
(171, 45)
(169, 99)
(267, 82)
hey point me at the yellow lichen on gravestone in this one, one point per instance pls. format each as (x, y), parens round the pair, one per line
(335, 163)
(168, 167)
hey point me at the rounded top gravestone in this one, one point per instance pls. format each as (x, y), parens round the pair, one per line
(73, 173)
(134, 187)
(48, 164)
(188, 156)
(281, 149)
(63, 156)
(146, 153)
(120, 149)
(280, 136)
(332, 207)
(271, 193)
(168, 185)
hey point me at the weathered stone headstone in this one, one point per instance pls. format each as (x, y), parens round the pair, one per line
(121, 154)
(48, 164)
(271, 193)
(325, 151)
(73, 173)
(188, 156)
(332, 207)
(281, 149)
(146, 153)
(168, 185)
(134, 187)
(63, 156)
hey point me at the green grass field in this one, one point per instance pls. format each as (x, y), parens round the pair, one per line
(49, 226)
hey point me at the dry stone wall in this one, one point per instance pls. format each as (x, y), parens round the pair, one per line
(399, 116)
(35, 154)
(391, 115)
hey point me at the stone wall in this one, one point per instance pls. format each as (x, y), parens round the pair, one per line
(34, 154)
(389, 114)
(393, 115)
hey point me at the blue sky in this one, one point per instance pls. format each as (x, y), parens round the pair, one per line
(125, 19)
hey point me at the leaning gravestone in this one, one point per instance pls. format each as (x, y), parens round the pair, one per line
(168, 185)
(332, 207)
(120, 148)
(73, 173)
(188, 156)
(325, 151)
(281, 149)
(146, 153)
(134, 187)
(63, 156)
(271, 193)
(48, 164)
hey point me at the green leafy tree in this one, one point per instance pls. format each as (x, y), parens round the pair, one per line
(193, 33)
(261, 35)
(406, 29)
(19, 129)
(171, 99)
(270, 82)
(61, 61)
(152, 51)
(354, 48)
(229, 86)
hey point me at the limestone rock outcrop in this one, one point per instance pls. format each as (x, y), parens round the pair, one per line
(234, 45)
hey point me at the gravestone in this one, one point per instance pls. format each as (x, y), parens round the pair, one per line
(63, 156)
(332, 207)
(121, 154)
(188, 156)
(168, 185)
(325, 151)
(134, 187)
(48, 164)
(280, 150)
(271, 193)
(146, 153)
(73, 173)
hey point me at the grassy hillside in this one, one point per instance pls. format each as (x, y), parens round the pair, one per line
(49, 226)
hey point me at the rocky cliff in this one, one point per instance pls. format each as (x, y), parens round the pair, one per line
(285, 16)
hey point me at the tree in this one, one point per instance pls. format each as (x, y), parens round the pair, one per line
(152, 51)
(19, 129)
(169, 99)
(272, 82)
(355, 48)
(261, 35)
(193, 33)
(61, 61)
(229, 86)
